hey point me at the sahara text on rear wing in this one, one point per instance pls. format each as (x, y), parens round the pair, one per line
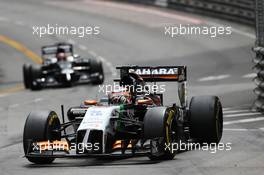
(156, 74)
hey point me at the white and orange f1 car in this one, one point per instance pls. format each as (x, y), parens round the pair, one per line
(126, 123)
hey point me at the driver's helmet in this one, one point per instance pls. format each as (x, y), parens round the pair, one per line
(135, 83)
(61, 55)
(120, 97)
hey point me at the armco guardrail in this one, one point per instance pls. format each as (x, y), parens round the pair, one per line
(259, 59)
(259, 80)
(236, 10)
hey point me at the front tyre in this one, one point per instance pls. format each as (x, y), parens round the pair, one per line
(161, 123)
(96, 71)
(26, 75)
(40, 126)
(35, 73)
(206, 119)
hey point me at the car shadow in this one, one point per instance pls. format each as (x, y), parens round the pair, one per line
(106, 161)
(95, 162)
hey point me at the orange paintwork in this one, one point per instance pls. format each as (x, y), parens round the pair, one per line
(90, 102)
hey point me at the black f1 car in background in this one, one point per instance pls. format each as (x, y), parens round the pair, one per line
(127, 122)
(61, 67)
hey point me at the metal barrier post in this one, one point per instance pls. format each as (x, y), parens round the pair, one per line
(259, 59)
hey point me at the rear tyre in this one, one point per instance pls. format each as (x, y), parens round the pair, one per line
(35, 73)
(40, 126)
(160, 122)
(206, 119)
(26, 75)
(97, 69)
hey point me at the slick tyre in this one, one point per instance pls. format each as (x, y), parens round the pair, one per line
(40, 126)
(160, 126)
(35, 73)
(206, 119)
(97, 68)
(26, 75)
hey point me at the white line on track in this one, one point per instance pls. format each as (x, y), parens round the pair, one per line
(14, 105)
(242, 114)
(241, 129)
(262, 129)
(19, 23)
(245, 106)
(226, 109)
(250, 75)
(211, 78)
(38, 100)
(244, 120)
(236, 111)
(247, 34)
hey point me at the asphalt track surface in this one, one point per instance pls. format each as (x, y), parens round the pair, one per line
(130, 34)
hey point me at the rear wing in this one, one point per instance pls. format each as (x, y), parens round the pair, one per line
(156, 74)
(52, 49)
